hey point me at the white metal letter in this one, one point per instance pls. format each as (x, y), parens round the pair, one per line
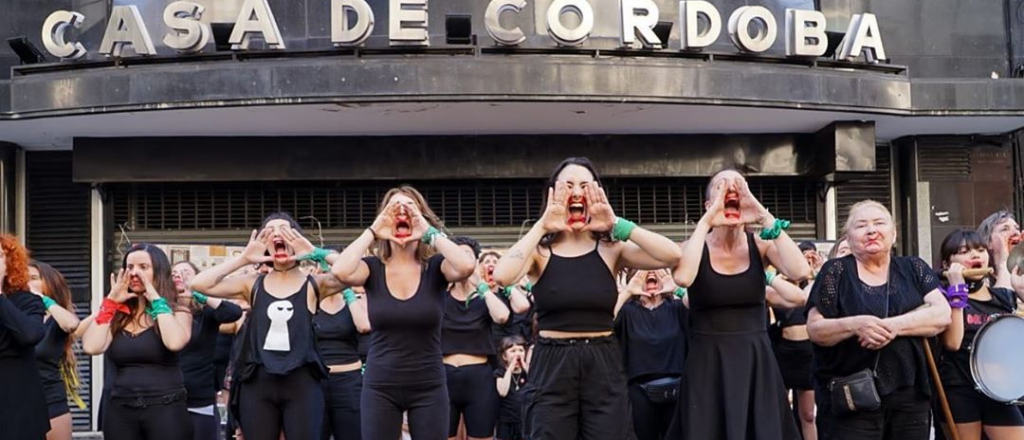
(255, 17)
(344, 33)
(53, 35)
(407, 23)
(639, 17)
(805, 33)
(862, 35)
(689, 22)
(492, 22)
(188, 34)
(739, 29)
(565, 36)
(126, 27)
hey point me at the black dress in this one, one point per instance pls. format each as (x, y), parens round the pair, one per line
(23, 413)
(731, 387)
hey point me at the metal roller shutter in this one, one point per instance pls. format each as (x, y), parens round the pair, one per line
(876, 185)
(58, 234)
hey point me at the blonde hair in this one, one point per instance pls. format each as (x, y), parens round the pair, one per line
(862, 205)
(423, 253)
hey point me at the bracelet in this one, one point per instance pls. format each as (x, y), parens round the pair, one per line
(372, 233)
(431, 236)
(622, 229)
(481, 289)
(680, 292)
(320, 256)
(957, 295)
(158, 307)
(506, 292)
(108, 308)
(769, 276)
(775, 231)
(200, 298)
(528, 286)
(349, 295)
(48, 302)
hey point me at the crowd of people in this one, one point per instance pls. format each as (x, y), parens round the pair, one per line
(589, 327)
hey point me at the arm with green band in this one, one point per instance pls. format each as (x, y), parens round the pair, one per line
(644, 250)
(64, 318)
(780, 250)
(496, 306)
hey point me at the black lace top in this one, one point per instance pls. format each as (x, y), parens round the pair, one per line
(838, 292)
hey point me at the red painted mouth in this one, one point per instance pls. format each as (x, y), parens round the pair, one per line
(403, 228)
(652, 283)
(489, 274)
(732, 205)
(280, 249)
(578, 211)
(1014, 240)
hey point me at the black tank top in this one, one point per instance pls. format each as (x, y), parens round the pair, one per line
(729, 303)
(144, 365)
(466, 330)
(406, 344)
(49, 357)
(283, 338)
(790, 317)
(576, 294)
(337, 336)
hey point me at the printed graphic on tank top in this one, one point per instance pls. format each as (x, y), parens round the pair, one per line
(576, 294)
(282, 333)
(279, 313)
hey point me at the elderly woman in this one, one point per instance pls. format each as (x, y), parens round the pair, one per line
(868, 311)
(1000, 232)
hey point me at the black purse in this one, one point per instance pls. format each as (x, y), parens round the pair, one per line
(858, 392)
(663, 390)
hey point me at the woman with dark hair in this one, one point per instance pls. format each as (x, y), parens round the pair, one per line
(54, 354)
(511, 381)
(23, 409)
(867, 314)
(141, 328)
(406, 282)
(278, 377)
(652, 327)
(974, 303)
(731, 388)
(573, 252)
(470, 307)
(197, 364)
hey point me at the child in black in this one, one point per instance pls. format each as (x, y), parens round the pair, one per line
(511, 382)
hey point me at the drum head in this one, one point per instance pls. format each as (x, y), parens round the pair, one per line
(997, 360)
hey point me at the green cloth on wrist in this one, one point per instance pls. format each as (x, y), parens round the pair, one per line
(481, 289)
(431, 236)
(48, 302)
(349, 295)
(623, 229)
(158, 307)
(775, 231)
(769, 277)
(506, 292)
(528, 287)
(199, 297)
(680, 292)
(320, 256)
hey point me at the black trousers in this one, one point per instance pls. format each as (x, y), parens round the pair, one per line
(128, 419)
(204, 427)
(580, 391)
(650, 420)
(472, 392)
(383, 406)
(343, 393)
(270, 403)
(904, 415)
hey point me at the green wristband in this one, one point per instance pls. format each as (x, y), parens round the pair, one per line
(506, 292)
(623, 229)
(432, 235)
(199, 297)
(528, 287)
(349, 295)
(775, 230)
(769, 277)
(158, 307)
(48, 302)
(680, 292)
(481, 289)
(320, 256)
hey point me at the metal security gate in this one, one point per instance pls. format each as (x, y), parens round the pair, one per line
(876, 185)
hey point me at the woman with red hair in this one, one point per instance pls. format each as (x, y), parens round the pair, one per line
(23, 413)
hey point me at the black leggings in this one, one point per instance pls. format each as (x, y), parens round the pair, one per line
(472, 392)
(343, 394)
(294, 402)
(650, 420)
(204, 427)
(383, 405)
(128, 419)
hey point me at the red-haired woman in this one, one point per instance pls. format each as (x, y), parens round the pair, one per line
(54, 356)
(22, 406)
(142, 338)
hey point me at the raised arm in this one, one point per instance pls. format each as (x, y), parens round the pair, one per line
(784, 294)
(782, 252)
(216, 282)
(693, 248)
(176, 326)
(357, 307)
(520, 259)
(641, 249)
(349, 267)
(97, 336)
(952, 338)
(327, 284)
(517, 298)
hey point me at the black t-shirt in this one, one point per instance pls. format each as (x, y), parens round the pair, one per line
(406, 345)
(338, 337)
(838, 292)
(145, 367)
(49, 357)
(466, 330)
(512, 404)
(955, 367)
(654, 342)
(198, 358)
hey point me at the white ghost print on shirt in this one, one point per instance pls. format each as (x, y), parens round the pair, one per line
(279, 313)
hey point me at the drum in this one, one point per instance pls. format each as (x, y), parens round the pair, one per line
(997, 360)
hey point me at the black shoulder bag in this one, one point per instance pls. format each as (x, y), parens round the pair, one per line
(858, 392)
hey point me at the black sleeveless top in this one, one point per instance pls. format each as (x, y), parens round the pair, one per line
(406, 344)
(466, 330)
(144, 366)
(728, 303)
(576, 294)
(337, 336)
(281, 336)
(49, 357)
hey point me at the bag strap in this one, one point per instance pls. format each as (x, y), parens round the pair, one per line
(888, 290)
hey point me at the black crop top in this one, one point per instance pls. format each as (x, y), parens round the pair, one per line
(576, 294)
(282, 332)
(466, 330)
(144, 365)
(337, 336)
(406, 344)
(49, 357)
